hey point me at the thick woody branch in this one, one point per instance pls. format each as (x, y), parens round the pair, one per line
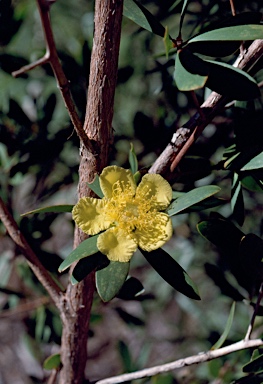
(52, 58)
(98, 128)
(39, 270)
(186, 135)
(191, 360)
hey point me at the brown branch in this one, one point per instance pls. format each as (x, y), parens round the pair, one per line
(191, 360)
(52, 58)
(39, 270)
(99, 113)
(186, 135)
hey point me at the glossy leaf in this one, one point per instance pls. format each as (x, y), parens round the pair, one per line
(186, 80)
(172, 272)
(168, 44)
(133, 160)
(88, 264)
(131, 288)
(235, 33)
(51, 209)
(250, 379)
(255, 163)
(52, 362)
(255, 366)
(229, 322)
(95, 187)
(232, 82)
(191, 198)
(86, 248)
(109, 280)
(141, 16)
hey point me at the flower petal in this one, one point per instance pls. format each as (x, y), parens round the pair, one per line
(156, 186)
(89, 216)
(110, 175)
(156, 235)
(116, 245)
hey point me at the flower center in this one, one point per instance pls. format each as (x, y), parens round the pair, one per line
(127, 211)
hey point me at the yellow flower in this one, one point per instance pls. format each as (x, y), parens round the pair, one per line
(129, 215)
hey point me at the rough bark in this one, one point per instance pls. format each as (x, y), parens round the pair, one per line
(98, 128)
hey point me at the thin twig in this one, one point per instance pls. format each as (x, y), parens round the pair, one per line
(52, 58)
(191, 360)
(186, 135)
(252, 321)
(39, 270)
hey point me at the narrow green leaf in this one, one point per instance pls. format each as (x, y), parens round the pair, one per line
(184, 79)
(229, 322)
(238, 33)
(52, 208)
(133, 160)
(255, 163)
(237, 201)
(86, 248)
(95, 187)
(183, 12)
(172, 272)
(141, 16)
(131, 288)
(109, 280)
(255, 366)
(191, 198)
(231, 81)
(251, 183)
(168, 44)
(52, 362)
(88, 264)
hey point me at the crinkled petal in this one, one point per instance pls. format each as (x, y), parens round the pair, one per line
(110, 175)
(89, 216)
(155, 235)
(156, 186)
(116, 245)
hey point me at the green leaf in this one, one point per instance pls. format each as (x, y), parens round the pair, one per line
(250, 183)
(141, 16)
(109, 280)
(230, 81)
(236, 33)
(255, 163)
(171, 272)
(86, 248)
(52, 208)
(95, 187)
(131, 288)
(255, 366)
(229, 322)
(237, 201)
(52, 362)
(184, 79)
(168, 44)
(219, 278)
(191, 198)
(183, 12)
(86, 265)
(133, 160)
